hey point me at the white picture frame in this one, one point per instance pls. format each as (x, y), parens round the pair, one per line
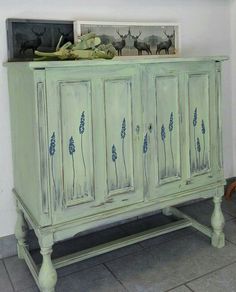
(135, 39)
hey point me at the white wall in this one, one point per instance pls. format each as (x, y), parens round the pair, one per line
(205, 30)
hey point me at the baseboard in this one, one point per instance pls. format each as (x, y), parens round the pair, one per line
(8, 243)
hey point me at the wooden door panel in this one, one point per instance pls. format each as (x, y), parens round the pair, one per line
(76, 139)
(167, 125)
(119, 143)
(122, 128)
(71, 98)
(199, 100)
(163, 155)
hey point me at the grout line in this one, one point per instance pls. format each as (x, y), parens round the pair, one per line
(122, 256)
(173, 238)
(202, 276)
(114, 275)
(96, 264)
(180, 285)
(208, 273)
(228, 213)
(189, 287)
(211, 272)
(4, 264)
(77, 271)
(230, 241)
(230, 219)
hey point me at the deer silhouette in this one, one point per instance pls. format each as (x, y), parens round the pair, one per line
(140, 46)
(165, 45)
(66, 36)
(119, 45)
(34, 43)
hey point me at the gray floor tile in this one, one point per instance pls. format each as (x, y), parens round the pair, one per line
(173, 263)
(230, 231)
(19, 273)
(31, 289)
(7, 246)
(218, 281)
(166, 237)
(202, 212)
(229, 206)
(182, 288)
(98, 260)
(97, 279)
(5, 284)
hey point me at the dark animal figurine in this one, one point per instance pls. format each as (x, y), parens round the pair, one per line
(66, 36)
(140, 46)
(119, 45)
(165, 45)
(34, 43)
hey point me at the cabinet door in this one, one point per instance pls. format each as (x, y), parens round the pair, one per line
(180, 136)
(163, 148)
(93, 145)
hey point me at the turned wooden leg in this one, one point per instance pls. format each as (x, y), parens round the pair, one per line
(217, 222)
(47, 273)
(21, 229)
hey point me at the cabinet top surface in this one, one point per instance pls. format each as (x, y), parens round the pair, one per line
(115, 61)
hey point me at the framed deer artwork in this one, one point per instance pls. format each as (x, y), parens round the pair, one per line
(135, 39)
(24, 36)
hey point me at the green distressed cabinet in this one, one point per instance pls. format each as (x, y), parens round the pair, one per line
(97, 142)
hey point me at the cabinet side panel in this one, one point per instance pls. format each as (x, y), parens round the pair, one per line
(25, 147)
(219, 123)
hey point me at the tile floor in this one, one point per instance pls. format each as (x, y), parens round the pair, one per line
(181, 261)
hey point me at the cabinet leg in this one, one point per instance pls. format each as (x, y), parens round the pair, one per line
(21, 229)
(47, 273)
(217, 222)
(166, 211)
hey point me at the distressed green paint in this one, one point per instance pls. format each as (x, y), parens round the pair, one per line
(199, 112)
(80, 161)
